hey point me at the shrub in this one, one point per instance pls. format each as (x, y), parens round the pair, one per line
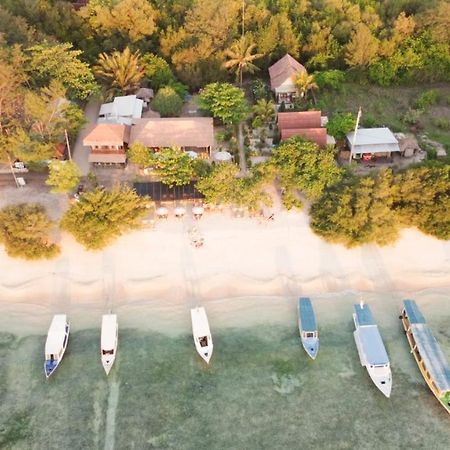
(260, 90)
(167, 102)
(441, 122)
(139, 154)
(369, 121)
(383, 73)
(24, 232)
(427, 99)
(412, 116)
(341, 124)
(330, 79)
(290, 201)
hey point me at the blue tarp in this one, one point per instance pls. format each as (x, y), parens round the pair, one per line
(307, 317)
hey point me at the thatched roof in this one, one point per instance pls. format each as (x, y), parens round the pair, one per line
(317, 135)
(107, 134)
(301, 119)
(285, 68)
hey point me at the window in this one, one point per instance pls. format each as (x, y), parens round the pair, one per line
(310, 334)
(107, 352)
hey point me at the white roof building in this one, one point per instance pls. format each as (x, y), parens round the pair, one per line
(372, 140)
(123, 110)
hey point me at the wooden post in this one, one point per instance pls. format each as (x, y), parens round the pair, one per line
(354, 134)
(12, 170)
(68, 145)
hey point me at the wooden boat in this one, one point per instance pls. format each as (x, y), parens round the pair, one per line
(56, 343)
(202, 335)
(372, 353)
(108, 342)
(427, 352)
(307, 327)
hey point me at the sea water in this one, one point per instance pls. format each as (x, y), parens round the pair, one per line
(260, 391)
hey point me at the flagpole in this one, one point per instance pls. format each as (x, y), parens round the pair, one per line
(354, 134)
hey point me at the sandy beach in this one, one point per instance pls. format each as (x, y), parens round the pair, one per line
(249, 271)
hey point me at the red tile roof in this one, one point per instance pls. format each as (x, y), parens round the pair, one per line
(317, 135)
(302, 119)
(283, 69)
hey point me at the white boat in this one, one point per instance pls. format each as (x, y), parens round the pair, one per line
(372, 352)
(202, 335)
(56, 343)
(307, 327)
(108, 343)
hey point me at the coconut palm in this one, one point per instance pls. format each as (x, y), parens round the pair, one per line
(305, 83)
(264, 112)
(240, 57)
(121, 71)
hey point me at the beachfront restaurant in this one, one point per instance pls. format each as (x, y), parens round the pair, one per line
(372, 143)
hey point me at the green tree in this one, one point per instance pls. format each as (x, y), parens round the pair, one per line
(362, 50)
(330, 79)
(28, 149)
(121, 72)
(173, 166)
(101, 216)
(59, 62)
(63, 176)
(358, 212)
(264, 113)
(167, 102)
(340, 124)
(225, 102)
(157, 71)
(305, 83)
(139, 154)
(302, 165)
(240, 57)
(24, 231)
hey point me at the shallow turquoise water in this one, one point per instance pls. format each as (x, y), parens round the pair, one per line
(260, 392)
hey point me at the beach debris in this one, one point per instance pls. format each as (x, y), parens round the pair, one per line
(195, 237)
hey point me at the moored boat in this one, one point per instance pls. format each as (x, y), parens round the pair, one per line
(108, 341)
(308, 327)
(56, 343)
(371, 350)
(426, 350)
(202, 335)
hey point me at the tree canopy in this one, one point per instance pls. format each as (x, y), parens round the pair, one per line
(63, 176)
(101, 216)
(167, 102)
(173, 166)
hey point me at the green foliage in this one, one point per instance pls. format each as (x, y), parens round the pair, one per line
(225, 102)
(424, 199)
(139, 154)
(157, 71)
(330, 79)
(173, 166)
(441, 122)
(63, 176)
(412, 116)
(260, 90)
(27, 149)
(290, 201)
(101, 216)
(180, 88)
(201, 168)
(304, 166)
(59, 62)
(383, 73)
(358, 212)
(24, 231)
(264, 113)
(340, 124)
(167, 102)
(427, 99)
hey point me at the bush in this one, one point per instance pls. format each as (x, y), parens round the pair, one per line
(441, 122)
(167, 102)
(427, 99)
(290, 201)
(369, 121)
(157, 71)
(383, 73)
(100, 216)
(24, 232)
(330, 79)
(180, 88)
(340, 124)
(139, 154)
(260, 90)
(412, 116)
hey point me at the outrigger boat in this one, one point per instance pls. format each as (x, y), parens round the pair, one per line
(108, 342)
(307, 327)
(56, 343)
(371, 350)
(427, 353)
(202, 335)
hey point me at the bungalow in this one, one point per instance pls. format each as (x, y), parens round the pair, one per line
(193, 134)
(306, 124)
(108, 142)
(379, 142)
(282, 76)
(123, 110)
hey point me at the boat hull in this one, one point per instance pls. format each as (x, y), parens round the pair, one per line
(49, 366)
(202, 334)
(311, 346)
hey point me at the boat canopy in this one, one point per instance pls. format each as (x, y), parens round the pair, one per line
(364, 315)
(200, 323)
(412, 312)
(109, 328)
(56, 335)
(307, 316)
(373, 346)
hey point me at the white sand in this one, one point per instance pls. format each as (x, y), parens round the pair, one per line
(246, 273)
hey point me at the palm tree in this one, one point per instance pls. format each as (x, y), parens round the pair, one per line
(305, 83)
(264, 112)
(120, 71)
(240, 57)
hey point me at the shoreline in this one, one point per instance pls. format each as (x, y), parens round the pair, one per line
(152, 277)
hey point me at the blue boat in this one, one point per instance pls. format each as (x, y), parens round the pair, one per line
(56, 344)
(308, 327)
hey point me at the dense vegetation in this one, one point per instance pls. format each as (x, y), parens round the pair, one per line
(24, 231)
